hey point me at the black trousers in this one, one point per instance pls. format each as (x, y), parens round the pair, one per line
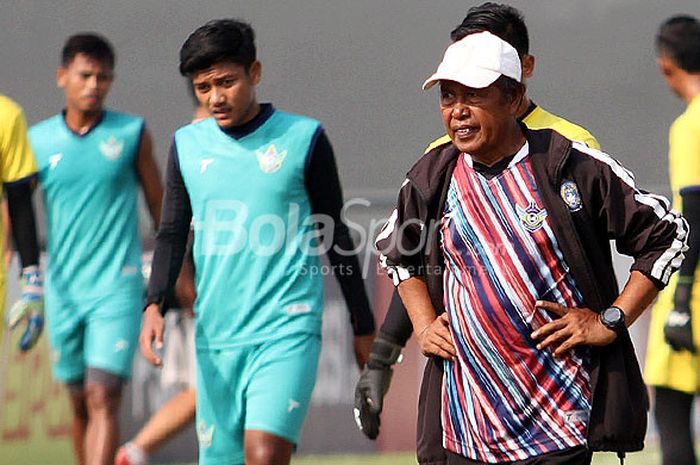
(673, 413)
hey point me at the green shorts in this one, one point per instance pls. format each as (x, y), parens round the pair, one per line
(264, 387)
(100, 334)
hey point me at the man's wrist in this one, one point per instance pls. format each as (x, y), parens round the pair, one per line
(613, 318)
(682, 293)
(384, 353)
(152, 306)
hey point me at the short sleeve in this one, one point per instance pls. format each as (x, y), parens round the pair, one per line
(16, 157)
(684, 154)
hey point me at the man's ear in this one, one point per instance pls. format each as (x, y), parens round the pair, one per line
(255, 72)
(61, 77)
(666, 66)
(528, 66)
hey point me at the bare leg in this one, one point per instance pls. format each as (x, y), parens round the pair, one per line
(263, 448)
(169, 420)
(80, 422)
(102, 435)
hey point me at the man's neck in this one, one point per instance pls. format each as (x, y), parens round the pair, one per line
(81, 122)
(691, 87)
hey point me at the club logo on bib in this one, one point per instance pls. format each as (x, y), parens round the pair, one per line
(204, 164)
(112, 148)
(55, 159)
(570, 195)
(271, 160)
(531, 217)
(292, 405)
(205, 435)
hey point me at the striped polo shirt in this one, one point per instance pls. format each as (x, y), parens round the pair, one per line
(503, 399)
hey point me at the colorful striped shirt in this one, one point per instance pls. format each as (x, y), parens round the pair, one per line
(503, 399)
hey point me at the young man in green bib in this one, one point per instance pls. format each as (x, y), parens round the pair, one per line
(254, 182)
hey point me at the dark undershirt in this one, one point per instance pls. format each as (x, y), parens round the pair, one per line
(494, 170)
(325, 195)
(691, 212)
(21, 211)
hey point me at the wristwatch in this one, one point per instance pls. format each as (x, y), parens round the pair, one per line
(613, 318)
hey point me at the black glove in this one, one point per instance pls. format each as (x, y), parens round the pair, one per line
(373, 385)
(678, 330)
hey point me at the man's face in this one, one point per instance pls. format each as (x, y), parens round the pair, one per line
(227, 91)
(478, 121)
(85, 82)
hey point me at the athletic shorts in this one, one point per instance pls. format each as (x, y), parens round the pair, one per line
(179, 364)
(265, 387)
(101, 334)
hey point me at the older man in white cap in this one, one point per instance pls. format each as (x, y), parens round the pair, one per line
(499, 249)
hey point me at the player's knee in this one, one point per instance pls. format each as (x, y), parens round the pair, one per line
(102, 399)
(267, 451)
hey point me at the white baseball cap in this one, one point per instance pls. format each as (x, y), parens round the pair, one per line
(477, 61)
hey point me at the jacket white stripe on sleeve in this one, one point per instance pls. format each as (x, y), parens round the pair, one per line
(671, 259)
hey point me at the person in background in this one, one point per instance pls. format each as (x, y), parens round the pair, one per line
(18, 173)
(92, 161)
(178, 365)
(672, 360)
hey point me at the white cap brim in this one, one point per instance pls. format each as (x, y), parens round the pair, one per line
(477, 78)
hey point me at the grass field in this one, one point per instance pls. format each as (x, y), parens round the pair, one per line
(648, 457)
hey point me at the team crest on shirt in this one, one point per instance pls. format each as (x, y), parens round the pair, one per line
(570, 195)
(112, 148)
(205, 435)
(271, 160)
(55, 159)
(531, 217)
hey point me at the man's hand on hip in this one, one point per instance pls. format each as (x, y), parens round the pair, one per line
(436, 339)
(575, 327)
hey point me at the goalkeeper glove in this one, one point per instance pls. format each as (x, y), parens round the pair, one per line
(29, 307)
(373, 385)
(678, 330)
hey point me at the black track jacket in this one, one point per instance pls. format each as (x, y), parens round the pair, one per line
(642, 224)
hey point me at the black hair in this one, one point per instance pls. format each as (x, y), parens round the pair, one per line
(679, 39)
(91, 44)
(500, 20)
(230, 40)
(510, 88)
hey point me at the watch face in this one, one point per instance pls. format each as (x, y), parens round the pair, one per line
(613, 318)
